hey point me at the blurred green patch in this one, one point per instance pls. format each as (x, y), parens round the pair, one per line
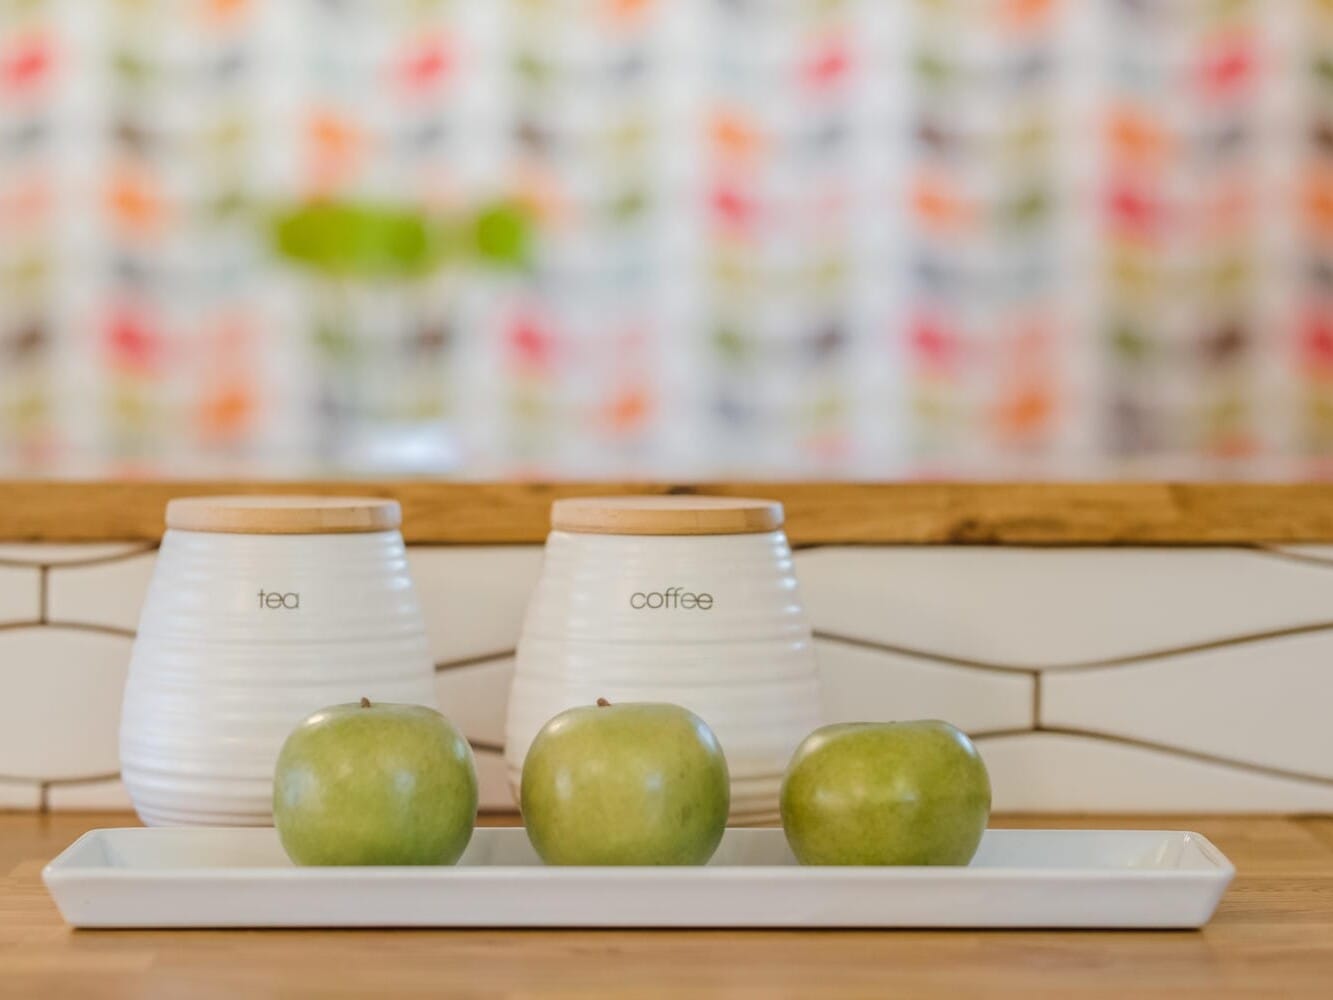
(1130, 344)
(500, 235)
(365, 240)
(335, 342)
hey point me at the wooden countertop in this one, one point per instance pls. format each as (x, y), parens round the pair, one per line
(1273, 936)
(817, 513)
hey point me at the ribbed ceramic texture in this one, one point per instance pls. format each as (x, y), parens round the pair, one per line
(745, 664)
(218, 678)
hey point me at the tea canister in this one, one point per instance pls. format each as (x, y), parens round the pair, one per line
(689, 600)
(260, 611)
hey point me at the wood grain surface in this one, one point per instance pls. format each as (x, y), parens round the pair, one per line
(284, 515)
(666, 515)
(1272, 937)
(817, 513)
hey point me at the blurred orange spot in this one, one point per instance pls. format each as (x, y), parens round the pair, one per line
(1317, 200)
(134, 203)
(335, 146)
(628, 10)
(1233, 444)
(222, 11)
(1022, 13)
(226, 413)
(1136, 137)
(628, 409)
(1027, 410)
(734, 136)
(939, 206)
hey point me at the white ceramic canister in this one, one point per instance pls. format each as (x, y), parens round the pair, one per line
(260, 611)
(687, 600)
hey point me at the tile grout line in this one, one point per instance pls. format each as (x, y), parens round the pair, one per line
(83, 779)
(58, 624)
(943, 659)
(1128, 660)
(91, 779)
(81, 563)
(1274, 552)
(17, 626)
(474, 661)
(1165, 749)
(43, 594)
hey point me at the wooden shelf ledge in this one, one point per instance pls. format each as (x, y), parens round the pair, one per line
(817, 513)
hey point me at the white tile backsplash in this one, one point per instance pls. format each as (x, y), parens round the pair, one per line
(1049, 772)
(1279, 694)
(493, 782)
(60, 714)
(20, 594)
(868, 685)
(104, 593)
(1051, 607)
(1320, 553)
(55, 554)
(24, 796)
(474, 698)
(97, 796)
(1226, 718)
(474, 596)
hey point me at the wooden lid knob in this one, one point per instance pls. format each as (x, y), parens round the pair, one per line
(666, 515)
(284, 515)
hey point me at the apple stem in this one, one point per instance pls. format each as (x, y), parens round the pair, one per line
(365, 702)
(603, 703)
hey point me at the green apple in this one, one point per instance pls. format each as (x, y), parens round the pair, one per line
(631, 784)
(375, 785)
(901, 793)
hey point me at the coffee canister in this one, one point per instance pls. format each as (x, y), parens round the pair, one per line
(688, 600)
(260, 611)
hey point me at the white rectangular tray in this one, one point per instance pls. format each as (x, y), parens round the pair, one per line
(241, 878)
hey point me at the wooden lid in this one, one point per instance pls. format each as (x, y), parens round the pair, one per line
(284, 515)
(666, 515)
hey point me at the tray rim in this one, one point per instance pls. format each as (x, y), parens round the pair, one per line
(61, 868)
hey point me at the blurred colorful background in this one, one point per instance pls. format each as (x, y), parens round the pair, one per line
(832, 238)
